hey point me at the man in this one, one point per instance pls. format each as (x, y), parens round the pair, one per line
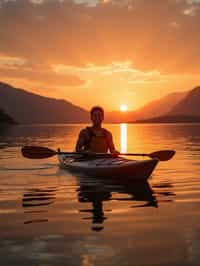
(95, 138)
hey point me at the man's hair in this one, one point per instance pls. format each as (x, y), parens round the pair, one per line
(96, 108)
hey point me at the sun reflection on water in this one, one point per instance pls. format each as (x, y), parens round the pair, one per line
(123, 137)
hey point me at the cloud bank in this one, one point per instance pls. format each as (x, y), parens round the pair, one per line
(153, 35)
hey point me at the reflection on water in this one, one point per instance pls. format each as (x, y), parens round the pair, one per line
(51, 217)
(97, 194)
(35, 198)
(35, 201)
(123, 138)
(136, 194)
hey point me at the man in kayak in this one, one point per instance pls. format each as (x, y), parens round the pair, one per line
(96, 138)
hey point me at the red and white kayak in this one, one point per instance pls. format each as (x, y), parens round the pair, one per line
(119, 168)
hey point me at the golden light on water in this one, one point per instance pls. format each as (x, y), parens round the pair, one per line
(123, 138)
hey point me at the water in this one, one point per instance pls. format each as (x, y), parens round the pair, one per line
(50, 217)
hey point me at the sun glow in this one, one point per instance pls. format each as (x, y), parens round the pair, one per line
(123, 108)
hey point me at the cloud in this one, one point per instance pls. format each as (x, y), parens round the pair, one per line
(70, 33)
(37, 2)
(21, 68)
(114, 67)
(93, 48)
(191, 10)
(11, 61)
(120, 74)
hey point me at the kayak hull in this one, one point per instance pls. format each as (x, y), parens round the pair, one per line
(118, 168)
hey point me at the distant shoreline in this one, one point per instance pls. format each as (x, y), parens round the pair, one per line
(112, 123)
(168, 119)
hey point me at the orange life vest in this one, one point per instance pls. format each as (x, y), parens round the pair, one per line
(97, 143)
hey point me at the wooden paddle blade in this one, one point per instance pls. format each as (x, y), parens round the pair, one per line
(36, 152)
(164, 155)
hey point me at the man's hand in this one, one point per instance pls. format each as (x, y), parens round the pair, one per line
(115, 153)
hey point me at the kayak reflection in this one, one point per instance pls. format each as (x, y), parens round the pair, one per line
(94, 194)
(99, 192)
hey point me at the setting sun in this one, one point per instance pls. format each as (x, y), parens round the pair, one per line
(123, 108)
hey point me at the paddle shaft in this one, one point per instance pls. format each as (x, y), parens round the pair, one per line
(102, 154)
(36, 152)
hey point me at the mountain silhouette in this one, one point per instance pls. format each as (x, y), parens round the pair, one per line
(189, 105)
(186, 110)
(160, 106)
(5, 118)
(26, 107)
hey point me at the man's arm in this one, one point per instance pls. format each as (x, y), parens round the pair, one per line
(81, 141)
(111, 144)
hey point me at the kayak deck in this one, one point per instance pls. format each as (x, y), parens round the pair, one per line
(110, 167)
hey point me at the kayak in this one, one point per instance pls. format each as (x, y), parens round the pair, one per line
(118, 168)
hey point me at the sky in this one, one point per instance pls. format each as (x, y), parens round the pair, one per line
(105, 52)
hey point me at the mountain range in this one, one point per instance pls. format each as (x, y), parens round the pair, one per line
(186, 110)
(26, 107)
(189, 105)
(5, 119)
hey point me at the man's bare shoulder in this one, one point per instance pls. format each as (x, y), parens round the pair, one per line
(83, 132)
(109, 134)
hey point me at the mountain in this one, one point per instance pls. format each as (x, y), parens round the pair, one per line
(157, 107)
(189, 105)
(5, 119)
(160, 106)
(26, 107)
(187, 110)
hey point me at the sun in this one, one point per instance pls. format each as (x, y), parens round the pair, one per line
(123, 108)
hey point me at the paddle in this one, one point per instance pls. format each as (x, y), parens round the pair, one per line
(37, 152)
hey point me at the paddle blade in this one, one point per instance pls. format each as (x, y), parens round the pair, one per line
(36, 152)
(164, 155)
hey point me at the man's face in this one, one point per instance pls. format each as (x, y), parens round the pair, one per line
(97, 117)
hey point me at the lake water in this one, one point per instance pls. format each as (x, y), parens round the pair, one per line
(50, 217)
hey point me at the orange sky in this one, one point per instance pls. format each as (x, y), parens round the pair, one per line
(100, 52)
